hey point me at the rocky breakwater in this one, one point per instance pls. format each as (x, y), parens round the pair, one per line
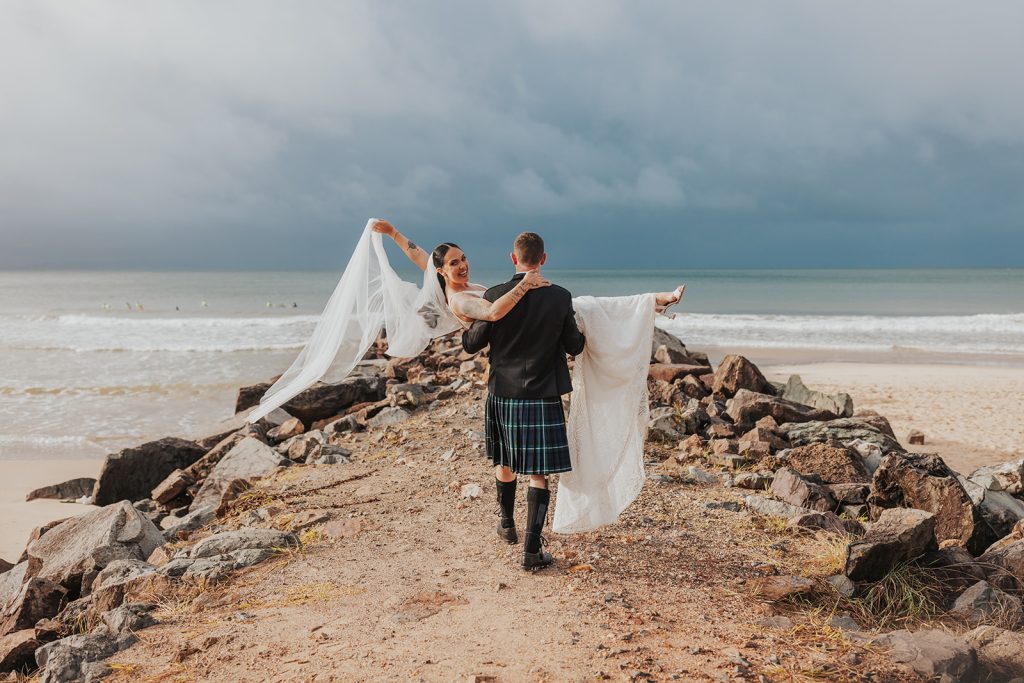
(820, 467)
(168, 512)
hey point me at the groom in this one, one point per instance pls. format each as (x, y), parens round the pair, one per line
(525, 423)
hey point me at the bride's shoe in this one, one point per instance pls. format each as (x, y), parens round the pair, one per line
(661, 309)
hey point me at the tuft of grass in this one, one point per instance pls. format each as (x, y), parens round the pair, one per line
(908, 595)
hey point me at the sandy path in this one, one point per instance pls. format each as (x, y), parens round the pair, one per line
(409, 583)
(971, 415)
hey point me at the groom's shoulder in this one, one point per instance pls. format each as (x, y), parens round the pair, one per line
(497, 290)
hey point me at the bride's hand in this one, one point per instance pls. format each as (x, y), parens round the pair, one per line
(384, 228)
(535, 280)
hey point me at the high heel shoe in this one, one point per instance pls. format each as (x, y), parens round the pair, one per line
(679, 291)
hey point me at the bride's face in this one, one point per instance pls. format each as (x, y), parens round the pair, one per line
(456, 267)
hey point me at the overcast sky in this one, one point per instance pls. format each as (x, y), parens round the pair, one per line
(673, 134)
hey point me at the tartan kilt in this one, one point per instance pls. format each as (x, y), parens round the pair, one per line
(527, 435)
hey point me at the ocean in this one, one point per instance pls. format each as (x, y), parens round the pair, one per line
(91, 362)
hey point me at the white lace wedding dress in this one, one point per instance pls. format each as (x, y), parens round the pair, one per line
(607, 421)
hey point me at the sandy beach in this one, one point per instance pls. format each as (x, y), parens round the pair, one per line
(971, 415)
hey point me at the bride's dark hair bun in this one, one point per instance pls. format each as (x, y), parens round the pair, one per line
(440, 251)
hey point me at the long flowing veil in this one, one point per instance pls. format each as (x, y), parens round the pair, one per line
(369, 297)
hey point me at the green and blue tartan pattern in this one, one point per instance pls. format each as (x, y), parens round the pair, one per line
(527, 435)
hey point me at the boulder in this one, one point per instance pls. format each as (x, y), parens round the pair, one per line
(176, 483)
(120, 578)
(1004, 477)
(847, 431)
(240, 422)
(772, 508)
(754, 481)
(17, 651)
(304, 446)
(249, 458)
(388, 417)
(176, 528)
(671, 372)
(833, 464)
(11, 581)
(199, 471)
(876, 420)
(72, 489)
(984, 602)
(841, 405)
(954, 567)
(68, 659)
(933, 654)
(762, 440)
(664, 425)
(132, 473)
(129, 617)
(1005, 565)
(775, 588)
(735, 373)
(229, 541)
(72, 552)
(1000, 652)
(291, 427)
(746, 407)
(674, 347)
(848, 494)
(923, 481)
(320, 400)
(37, 599)
(791, 488)
(1001, 510)
(827, 521)
(899, 534)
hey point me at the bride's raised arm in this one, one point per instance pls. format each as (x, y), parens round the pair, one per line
(408, 247)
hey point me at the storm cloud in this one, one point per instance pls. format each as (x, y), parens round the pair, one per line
(264, 134)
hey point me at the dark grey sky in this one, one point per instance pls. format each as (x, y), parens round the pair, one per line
(673, 134)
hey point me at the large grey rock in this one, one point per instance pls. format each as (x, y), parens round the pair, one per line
(1001, 510)
(228, 541)
(923, 481)
(120, 573)
(249, 458)
(180, 527)
(790, 487)
(320, 400)
(65, 660)
(848, 431)
(984, 602)
(388, 417)
(37, 599)
(133, 473)
(72, 552)
(1000, 651)
(1005, 564)
(10, 582)
(747, 407)
(772, 508)
(736, 373)
(953, 567)
(674, 347)
(1007, 477)
(17, 651)
(664, 424)
(840, 404)
(934, 654)
(128, 618)
(900, 534)
(72, 489)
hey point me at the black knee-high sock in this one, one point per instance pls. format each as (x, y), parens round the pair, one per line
(507, 501)
(536, 509)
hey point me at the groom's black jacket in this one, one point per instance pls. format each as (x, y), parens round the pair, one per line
(529, 344)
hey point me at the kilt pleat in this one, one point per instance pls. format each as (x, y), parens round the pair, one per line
(527, 435)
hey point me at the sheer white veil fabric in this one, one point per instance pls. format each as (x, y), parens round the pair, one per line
(369, 297)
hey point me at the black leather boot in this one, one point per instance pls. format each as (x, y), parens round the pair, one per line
(536, 509)
(507, 505)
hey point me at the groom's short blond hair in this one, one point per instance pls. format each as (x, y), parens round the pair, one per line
(529, 248)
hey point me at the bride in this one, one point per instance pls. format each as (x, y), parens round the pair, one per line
(607, 421)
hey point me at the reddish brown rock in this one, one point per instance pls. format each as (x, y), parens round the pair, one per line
(17, 651)
(735, 373)
(923, 481)
(173, 486)
(288, 429)
(670, 373)
(37, 599)
(833, 464)
(132, 473)
(692, 387)
(775, 588)
(790, 487)
(746, 407)
(899, 535)
(320, 400)
(691, 447)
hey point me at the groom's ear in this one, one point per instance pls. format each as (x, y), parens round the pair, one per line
(543, 258)
(515, 261)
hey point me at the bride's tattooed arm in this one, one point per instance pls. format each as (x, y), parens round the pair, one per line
(474, 308)
(408, 247)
